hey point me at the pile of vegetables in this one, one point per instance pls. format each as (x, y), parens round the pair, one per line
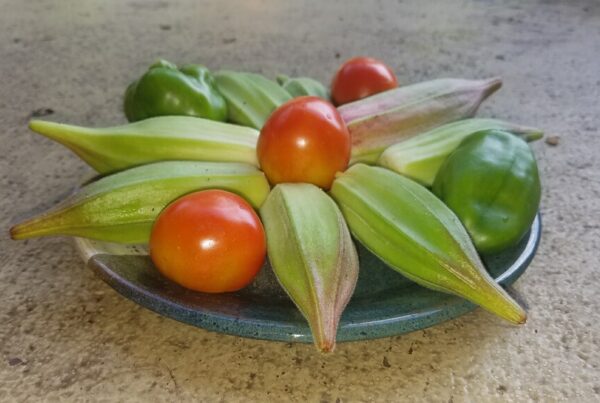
(217, 169)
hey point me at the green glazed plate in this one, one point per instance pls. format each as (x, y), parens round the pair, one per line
(384, 303)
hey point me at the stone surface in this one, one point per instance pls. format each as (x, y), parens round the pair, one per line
(65, 335)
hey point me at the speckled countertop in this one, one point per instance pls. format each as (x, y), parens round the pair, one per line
(65, 335)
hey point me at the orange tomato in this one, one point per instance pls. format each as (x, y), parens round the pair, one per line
(209, 241)
(304, 140)
(359, 78)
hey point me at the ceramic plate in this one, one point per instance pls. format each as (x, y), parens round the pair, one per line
(384, 303)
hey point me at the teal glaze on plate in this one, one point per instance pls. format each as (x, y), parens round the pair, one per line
(384, 304)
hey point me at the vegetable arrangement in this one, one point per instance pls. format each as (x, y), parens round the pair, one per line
(407, 171)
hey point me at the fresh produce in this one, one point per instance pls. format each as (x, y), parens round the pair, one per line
(312, 254)
(166, 90)
(251, 98)
(416, 234)
(189, 185)
(420, 157)
(116, 148)
(361, 77)
(492, 184)
(300, 86)
(210, 241)
(122, 207)
(381, 120)
(305, 140)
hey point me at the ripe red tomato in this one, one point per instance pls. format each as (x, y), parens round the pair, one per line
(304, 140)
(359, 78)
(209, 241)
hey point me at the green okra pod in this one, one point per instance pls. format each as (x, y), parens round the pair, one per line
(421, 157)
(416, 234)
(122, 207)
(378, 121)
(165, 138)
(312, 255)
(250, 97)
(303, 86)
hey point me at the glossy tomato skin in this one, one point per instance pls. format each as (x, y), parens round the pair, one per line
(361, 77)
(304, 140)
(210, 241)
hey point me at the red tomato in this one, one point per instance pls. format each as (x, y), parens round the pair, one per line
(210, 241)
(304, 140)
(359, 78)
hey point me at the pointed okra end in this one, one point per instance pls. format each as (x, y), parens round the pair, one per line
(491, 85)
(16, 232)
(83, 141)
(506, 308)
(312, 255)
(326, 346)
(531, 134)
(67, 135)
(51, 130)
(494, 299)
(44, 224)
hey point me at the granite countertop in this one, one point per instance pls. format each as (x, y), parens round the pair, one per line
(65, 335)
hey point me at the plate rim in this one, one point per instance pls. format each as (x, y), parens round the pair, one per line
(275, 331)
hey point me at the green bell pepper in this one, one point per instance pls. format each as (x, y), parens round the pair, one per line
(491, 182)
(166, 90)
